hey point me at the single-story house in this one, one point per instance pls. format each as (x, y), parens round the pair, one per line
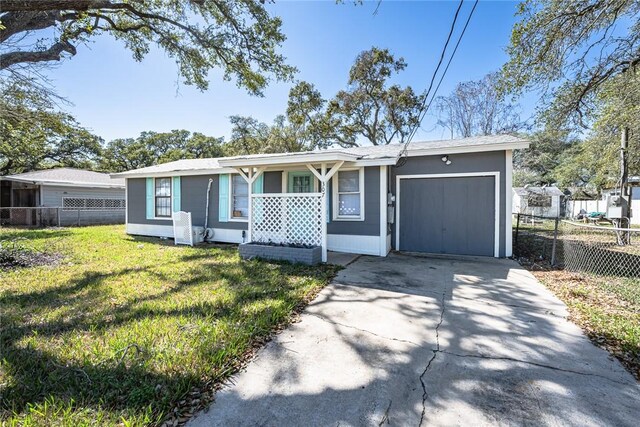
(61, 196)
(540, 201)
(450, 196)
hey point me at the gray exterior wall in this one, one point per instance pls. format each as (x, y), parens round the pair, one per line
(371, 224)
(493, 161)
(194, 190)
(193, 199)
(137, 203)
(52, 196)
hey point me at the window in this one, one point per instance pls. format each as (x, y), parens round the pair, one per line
(301, 184)
(239, 197)
(348, 194)
(163, 197)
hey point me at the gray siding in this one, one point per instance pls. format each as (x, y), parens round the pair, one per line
(137, 203)
(52, 197)
(493, 161)
(194, 190)
(371, 224)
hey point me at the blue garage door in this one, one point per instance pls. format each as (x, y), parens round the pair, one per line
(448, 215)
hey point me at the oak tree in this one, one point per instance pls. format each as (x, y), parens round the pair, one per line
(239, 37)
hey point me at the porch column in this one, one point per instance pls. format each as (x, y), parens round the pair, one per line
(323, 214)
(324, 176)
(250, 177)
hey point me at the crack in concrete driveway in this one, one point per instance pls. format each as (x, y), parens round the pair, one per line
(489, 344)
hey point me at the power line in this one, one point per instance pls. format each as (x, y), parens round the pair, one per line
(444, 51)
(426, 105)
(455, 49)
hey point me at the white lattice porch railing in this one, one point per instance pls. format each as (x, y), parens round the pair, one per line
(294, 218)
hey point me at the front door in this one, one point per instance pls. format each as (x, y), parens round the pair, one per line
(300, 182)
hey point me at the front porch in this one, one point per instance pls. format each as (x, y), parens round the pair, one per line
(298, 216)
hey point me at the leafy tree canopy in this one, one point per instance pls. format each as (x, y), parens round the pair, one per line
(568, 50)
(151, 148)
(239, 37)
(34, 135)
(370, 107)
(595, 162)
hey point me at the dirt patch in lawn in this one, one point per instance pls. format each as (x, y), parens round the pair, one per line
(606, 308)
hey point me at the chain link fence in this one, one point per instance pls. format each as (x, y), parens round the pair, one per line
(60, 217)
(577, 247)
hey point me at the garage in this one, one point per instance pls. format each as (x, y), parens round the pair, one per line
(448, 214)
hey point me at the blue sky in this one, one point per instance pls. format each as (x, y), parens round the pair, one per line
(116, 97)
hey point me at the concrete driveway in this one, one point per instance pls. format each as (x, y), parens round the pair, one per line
(409, 340)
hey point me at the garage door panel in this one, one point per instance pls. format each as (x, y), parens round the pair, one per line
(448, 215)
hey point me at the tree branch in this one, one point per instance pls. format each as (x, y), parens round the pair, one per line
(54, 53)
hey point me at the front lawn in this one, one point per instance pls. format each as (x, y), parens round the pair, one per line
(133, 331)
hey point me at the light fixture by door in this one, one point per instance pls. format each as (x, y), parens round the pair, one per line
(446, 160)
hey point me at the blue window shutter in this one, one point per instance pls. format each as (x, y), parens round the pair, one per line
(176, 201)
(258, 184)
(150, 199)
(223, 198)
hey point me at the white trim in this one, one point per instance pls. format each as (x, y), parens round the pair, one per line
(177, 172)
(466, 149)
(230, 217)
(126, 200)
(383, 161)
(350, 243)
(41, 194)
(162, 218)
(224, 235)
(56, 183)
(285, 179)
(383, 211)
(154, 230)
(496, 177)
(323, 211)
(288, 159)
(508, 191)
(334, 196)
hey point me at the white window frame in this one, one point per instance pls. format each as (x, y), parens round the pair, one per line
(155, 216)
(285, 180)
(334, 199)
(231, 218)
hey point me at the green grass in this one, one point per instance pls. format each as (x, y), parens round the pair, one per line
(607, 308)
(125, 329)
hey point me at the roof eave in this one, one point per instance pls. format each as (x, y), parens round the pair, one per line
(288, 159)
(467, 149)
(177, 172)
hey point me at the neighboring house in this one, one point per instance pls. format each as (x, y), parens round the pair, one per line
(450, 197)
(72, 195)
(540, 201)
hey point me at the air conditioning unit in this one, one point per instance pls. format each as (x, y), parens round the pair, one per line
(198, 234)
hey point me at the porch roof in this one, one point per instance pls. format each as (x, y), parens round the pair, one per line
(282, 159)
